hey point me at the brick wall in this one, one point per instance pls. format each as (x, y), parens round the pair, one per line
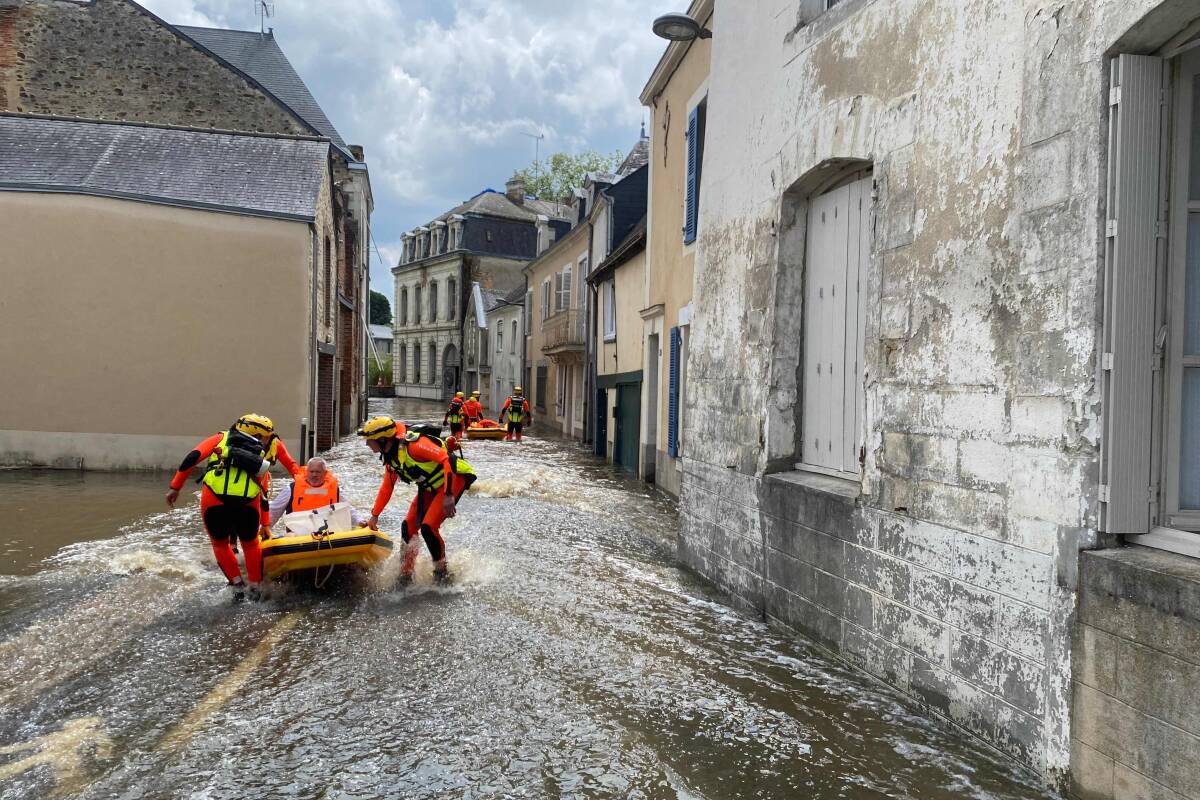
(110, 60)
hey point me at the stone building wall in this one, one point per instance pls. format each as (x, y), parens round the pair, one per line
(1135, 720)
(108, 59)
(949, 568)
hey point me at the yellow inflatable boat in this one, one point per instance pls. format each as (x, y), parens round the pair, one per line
(361, 546)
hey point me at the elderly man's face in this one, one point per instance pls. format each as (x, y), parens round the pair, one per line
(315, 474)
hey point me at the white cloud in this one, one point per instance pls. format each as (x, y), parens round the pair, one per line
(439, 92)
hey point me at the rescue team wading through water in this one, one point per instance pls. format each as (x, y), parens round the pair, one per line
(456, 415)
(233, 500)
(516, 414)
(441, 479)
(473, 409)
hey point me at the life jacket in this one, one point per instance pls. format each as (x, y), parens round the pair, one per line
(455, 415)
(226, 477)
(516, 409)
(427, 475)
(306, 497)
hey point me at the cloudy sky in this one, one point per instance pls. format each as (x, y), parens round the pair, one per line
(439, 92)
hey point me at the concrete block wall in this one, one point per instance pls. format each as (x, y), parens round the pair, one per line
(948, 565)
(1135, 729)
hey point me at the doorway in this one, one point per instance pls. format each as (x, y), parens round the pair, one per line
(628, 414)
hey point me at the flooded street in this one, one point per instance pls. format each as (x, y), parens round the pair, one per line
(570, 658)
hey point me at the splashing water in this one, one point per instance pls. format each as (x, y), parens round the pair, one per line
(568, 657)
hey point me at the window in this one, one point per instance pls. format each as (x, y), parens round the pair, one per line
(433, 304)
(452, 300)
(1151, 350)
(836, 256)
(500, 336)
(545, 299)
(540, 401)
(483, 347)
(512, 344)
(417, 306)
(432, 362)
(528, 314)
(697, 120)
(404, 306)
(562, 287)
(416, 363)
(610, 311)
(581, 301)
(402, 361)
(673, 391)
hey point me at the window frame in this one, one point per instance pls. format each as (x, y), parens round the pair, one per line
(858, 185)
(433, 302)
(403, 306)
(433, 377)
(610, 311)
(1183, 151)
(499, 336)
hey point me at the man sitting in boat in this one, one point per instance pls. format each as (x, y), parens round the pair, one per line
(317, 489)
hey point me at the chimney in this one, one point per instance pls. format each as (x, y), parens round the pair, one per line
(356, 150)
(514, 190)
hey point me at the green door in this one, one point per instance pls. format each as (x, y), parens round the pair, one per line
(628, 415)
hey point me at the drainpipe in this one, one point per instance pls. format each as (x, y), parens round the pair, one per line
(312, 339)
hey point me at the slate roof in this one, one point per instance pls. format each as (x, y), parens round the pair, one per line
(492, 203)
(516, 297)
(258, 55)
(257, 175)
(381, 331)
(638, 157)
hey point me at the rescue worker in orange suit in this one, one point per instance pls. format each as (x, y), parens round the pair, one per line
(515, 413)
(456, 415)
(233, 500)
(440, 478)
(317, 489)
(473, 409)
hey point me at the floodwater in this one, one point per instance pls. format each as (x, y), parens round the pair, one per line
(570, 658)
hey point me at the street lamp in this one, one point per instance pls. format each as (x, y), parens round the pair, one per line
(680, 28)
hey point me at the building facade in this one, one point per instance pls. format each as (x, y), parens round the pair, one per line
(555, 342)
(940, 347)
(151, 378)
(506, 333)
(175, 75)
(619, 281)
(676, 98)
(486, 240)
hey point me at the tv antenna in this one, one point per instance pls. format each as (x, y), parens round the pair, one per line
(537, 141)
(265, 11)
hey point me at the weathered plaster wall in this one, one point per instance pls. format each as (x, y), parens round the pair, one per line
(950, 569)
(110, 60)
(139, 379)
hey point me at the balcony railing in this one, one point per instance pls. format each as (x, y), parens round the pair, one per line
(563, 331)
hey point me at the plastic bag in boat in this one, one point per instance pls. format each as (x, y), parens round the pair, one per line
(330, 519)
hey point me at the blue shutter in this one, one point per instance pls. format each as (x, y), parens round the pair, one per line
(693, 160)
(673, 397)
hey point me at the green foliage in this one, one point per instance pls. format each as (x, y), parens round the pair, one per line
(376, 369)
(555, 177)
(381, 309)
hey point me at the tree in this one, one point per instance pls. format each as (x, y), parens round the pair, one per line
(554, 178)
(381, 309)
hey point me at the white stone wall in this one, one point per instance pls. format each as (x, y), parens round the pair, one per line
(949, 570)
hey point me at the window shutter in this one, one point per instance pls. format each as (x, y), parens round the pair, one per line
(693, 157)
(558, 291)
(673, 397)
(1135, 189)
(566, 289)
